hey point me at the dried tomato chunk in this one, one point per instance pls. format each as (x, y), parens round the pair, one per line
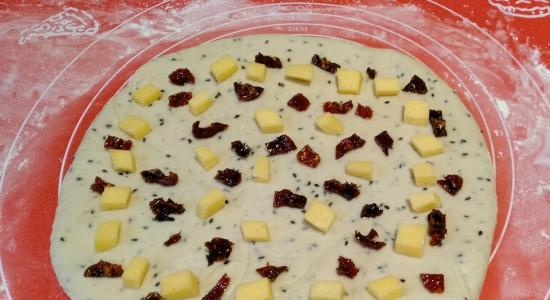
(384, 141)
(174, 238)
(368, 240)
(346, 267)
(416, 85)
(308, 157)
(158, 177)
(271, 272)
(99, 185)
(434, 283)
(229, 177)
(162, 209)
(364, 112)
(371, 73)
(281, 145)
(286, 197)
(218, 249)
(371, 211)
(153, 296)
(181, 77)
(104, 269)
(218, 290)
(334, 107)
(324, 64)
(350, 143)
(179, 99)
(451, 183)
(299, 102)
(113, 142)
(438, 123)
(437, 227)
(269, 61)
(247, 92)
(240, 148)
(209, 131)
(346, 190)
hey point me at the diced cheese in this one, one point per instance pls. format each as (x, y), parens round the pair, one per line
(416, 112)
(223, 68)
(326, 290)
(349, 81)
(268, 121)
(424, 201)
(386, 288)
(206, 157)
(410, 239)
(181, 285)
(329, 124)
(135, 127)
(423, 175)
(255, 290)
(262, 170)
(200, 103)
(301, 72)
(135, 272)
(107, 235)
(427, 145)
(115, 197)
(385, 87)
(256, 72)
(255, 231)
(320, 216)
(210, 204)
(147, 94)
(361, 169)
(122, 160)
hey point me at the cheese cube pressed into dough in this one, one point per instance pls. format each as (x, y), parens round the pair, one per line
(135, 272)
(326, 290)
(416, 112)
(135, 127)
(107, 235)
(423, 175)
(223, 68)
(301, 72)
(424, 201)
(122, 160)
(361, 169)
(147, 94)
(349, 81)
(329, 124)
(115, 197)
(385, 87)
(262, 170)
(255, 231)
(206, 158)
(320, 216)
(410, 239)
(268, 121)
(210, 204)
(256, 72)
(181, 285)
(255, 290)
(427, 145)
(200, 103)
(386, 288)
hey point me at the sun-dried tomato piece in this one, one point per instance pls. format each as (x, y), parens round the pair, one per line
(162, 209)
(179, 99)
(286, 197)
(99, 185)
(384, 141)
(209, 131)
(346, 267)
(299, 102)
(113, 142)
(334, 107)
(324, 64)
(174, 238)
(181, 77)
(364, 112)
(434, 283)
(247, 92)
(240, 148)
(104, 269)
(218, 249)
(368, 240)
(438, 123)
(271, 272)
(308, 157)
(269, 61)
(350, 143)
(346, 190)
(218, 290)
(437, 227)
(153, 296)
(281, 145)
(158, 177)
(371, 73)
(451, 183)
(416, 85)
(229, 177)
(371, 211)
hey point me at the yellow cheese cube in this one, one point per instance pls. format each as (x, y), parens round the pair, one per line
(385, 87)
(107, 235)
(122, 160)
(301, 72)
(410, 239)
(424, 175)
(320, 215)
(256, 72)
(135, 272)
(268, 121)
(326, 290)
(210, 204)
(206, 157)
(181, 285)
(416, 112)
(115, 197)
(349, 81)
(200, 103)
(135, 127)
(329, 124)
(424, 201)
(147, 94)
(255, 290)
(223, 68)
(361, 169)
(262, 170)
(386, 288)
(427, 145)
(255, 231)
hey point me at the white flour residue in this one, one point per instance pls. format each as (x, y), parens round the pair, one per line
(503, 108)
(39, 118)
